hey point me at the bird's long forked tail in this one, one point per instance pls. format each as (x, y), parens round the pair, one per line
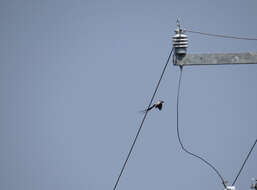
(146, 110)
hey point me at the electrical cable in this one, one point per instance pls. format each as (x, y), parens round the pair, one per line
(220, 35)
(179, 138)
(143, 120)
(244, 162)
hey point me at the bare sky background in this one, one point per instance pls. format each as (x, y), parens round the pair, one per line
(75, 74)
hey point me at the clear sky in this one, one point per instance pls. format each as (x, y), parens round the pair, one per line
(75, 74)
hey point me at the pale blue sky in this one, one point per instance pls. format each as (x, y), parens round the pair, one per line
(74, 74)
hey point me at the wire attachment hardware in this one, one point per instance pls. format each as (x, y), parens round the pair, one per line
(230, 188)
(254, 184)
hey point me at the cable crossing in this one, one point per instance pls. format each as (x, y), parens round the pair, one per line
(143, 120)
(179, 138)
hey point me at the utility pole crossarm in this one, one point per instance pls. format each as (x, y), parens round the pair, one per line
(216, 59)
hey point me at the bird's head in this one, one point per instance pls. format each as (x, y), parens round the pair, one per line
(160, 102)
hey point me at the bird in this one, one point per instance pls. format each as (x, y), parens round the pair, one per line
(158, 105)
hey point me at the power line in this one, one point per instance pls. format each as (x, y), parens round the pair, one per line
(244, 162)
(179, 138)
(135, 139)
(220, 35)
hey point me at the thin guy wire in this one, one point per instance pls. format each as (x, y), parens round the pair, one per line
(178, 134)
(135, 139)
(220, 35)
(244, 162)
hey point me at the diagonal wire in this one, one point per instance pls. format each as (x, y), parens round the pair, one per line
(135, 139)
(244, 162)
(220, 35)
(180, 141)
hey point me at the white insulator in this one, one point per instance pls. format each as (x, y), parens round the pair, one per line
(180, 42)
